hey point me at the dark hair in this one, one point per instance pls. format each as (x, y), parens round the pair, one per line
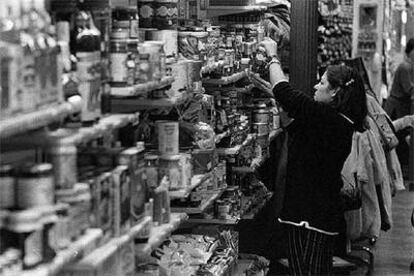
(350, 99)
(410, 46)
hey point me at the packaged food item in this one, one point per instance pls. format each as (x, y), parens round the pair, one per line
(169, 166)
(102, 209)
(63, 156)
(79, 200)
(203, 160)
(7, 186)
(60, 236)
(261, 128)
(151, 171)
(122, 199)
(118, 59)
(168, 135)
(35, 186)
(23, 230)
(134, 158)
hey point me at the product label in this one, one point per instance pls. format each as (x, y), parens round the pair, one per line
(35, 192)
(119, 70)
(146, 12)
(33, 249)
(133, 29)
(89, 75)
(138, 194)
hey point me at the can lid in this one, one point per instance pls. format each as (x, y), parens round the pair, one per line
(31, 169)
(6, 170)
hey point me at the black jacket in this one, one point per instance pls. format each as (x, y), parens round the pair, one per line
(319, 142)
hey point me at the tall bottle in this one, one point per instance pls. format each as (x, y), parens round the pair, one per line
(88, 71)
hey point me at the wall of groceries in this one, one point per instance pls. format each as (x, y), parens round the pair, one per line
(122, 122)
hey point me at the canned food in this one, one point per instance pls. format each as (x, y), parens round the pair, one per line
(223, 209)
(168, 135)
(7, 186)
(260, 128)
(64, 159)
(35, 186)
(260, 116)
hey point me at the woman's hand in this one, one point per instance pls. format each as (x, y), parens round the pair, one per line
(270, 45)
(261, 84)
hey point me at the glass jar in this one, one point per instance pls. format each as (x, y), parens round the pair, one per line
(151, 171)
(35, 186)
(170, 166)
(118, 58)
(7, 186)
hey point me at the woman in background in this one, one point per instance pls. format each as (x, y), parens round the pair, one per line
(320, 140)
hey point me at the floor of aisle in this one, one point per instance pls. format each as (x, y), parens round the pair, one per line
(394, 249)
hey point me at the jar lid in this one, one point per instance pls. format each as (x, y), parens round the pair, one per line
(24, 221)
(6, 170)
(197, 29)
(261, 111)
(151, 157)
(31, 169)
(174, 157)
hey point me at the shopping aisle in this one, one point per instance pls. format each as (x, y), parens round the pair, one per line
(393, 251)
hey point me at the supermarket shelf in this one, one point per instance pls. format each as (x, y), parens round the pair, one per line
(226, 80)
(128, 105)
(196, 180)
(76, 250)
(232, 221)
(78, 135)
(214, 11)
(141, 88)
(37, 119)
(160, 233)
(95, 258)
(203, 206)
(252, 214)
(235, 150)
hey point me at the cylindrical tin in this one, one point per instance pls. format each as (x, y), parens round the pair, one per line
(7, 186)
(260, 116)
(192, 45)
(168, 137)
(63, 157)
(260, 128)
(35, 186)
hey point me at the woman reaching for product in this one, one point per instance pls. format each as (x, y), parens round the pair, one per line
(320, 139)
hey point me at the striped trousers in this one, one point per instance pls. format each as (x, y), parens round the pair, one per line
(309, 252)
